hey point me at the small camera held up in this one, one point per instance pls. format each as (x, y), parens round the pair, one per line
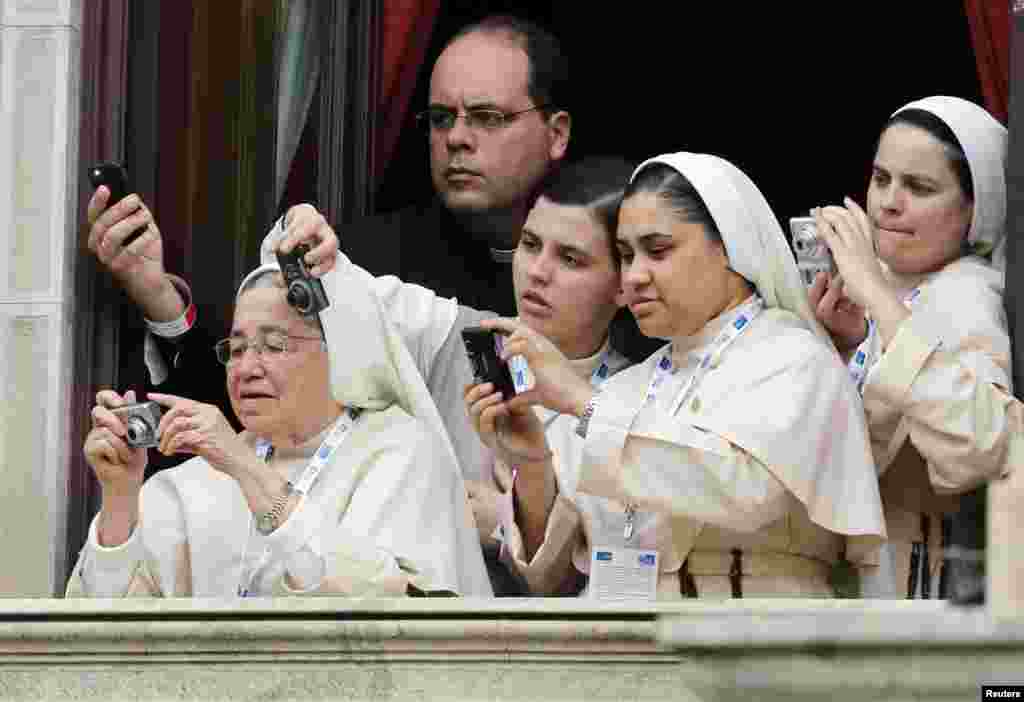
(305, 293)
(140, 420)
(483, 348)
(812, 253)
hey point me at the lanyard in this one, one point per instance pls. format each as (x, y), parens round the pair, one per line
(732, 331)
(335, 438)
(265, 451)
(665, 367)
(602, 371)
(863, 358)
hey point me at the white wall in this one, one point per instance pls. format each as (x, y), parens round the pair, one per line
(39, 114)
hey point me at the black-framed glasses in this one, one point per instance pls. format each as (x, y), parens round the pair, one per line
(266, 344)
(442, 119)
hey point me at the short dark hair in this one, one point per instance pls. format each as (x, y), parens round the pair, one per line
(923, 119)
(672, 186)
(547, 82)
(597, 183)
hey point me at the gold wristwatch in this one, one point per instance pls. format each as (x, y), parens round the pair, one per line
(268, 522)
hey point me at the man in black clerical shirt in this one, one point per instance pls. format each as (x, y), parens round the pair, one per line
(497, 126)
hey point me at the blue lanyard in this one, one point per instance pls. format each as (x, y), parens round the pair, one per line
(863, 358)
(335, 438)
(665, 367)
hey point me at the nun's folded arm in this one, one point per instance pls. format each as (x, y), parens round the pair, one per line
(943, 383)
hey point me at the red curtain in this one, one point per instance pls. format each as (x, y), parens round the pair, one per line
(407, 27)
(990, 34)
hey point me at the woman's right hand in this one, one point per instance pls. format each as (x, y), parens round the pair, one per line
(515, 436)
(138, 267)
(843, 318)
(119, 468)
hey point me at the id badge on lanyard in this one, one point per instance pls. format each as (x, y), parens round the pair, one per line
(335, 438)
(665, 367)
(623, 574)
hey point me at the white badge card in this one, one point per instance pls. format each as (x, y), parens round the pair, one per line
(623, 574)
(522, 376)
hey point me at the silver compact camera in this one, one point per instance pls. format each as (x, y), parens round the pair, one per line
(141, 421)
(305, 293)
(812, 253)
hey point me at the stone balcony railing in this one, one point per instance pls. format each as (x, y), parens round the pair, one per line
(438, 649)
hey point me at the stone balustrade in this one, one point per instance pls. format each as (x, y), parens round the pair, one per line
(552, 649)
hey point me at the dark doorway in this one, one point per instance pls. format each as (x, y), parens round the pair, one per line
(793, 93)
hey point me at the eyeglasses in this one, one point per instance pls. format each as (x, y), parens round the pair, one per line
(442, 119)
(270, 343)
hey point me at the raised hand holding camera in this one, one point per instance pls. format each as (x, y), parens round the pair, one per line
(305, 293)
(126, 240)
(303, 224)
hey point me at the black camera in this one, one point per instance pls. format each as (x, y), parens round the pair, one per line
(483, 348)
(305, 293)
(141, 421)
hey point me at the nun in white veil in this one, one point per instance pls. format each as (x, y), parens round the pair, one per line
(918, 308)
(384, 513)
(745, 428)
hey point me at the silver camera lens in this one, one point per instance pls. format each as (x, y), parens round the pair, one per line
(139, 431)
(141, 421)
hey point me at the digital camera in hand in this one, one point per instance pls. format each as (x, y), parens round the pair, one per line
(141, 421)
(305, 293)
(483, 349)
(115, 177)
(812, 253)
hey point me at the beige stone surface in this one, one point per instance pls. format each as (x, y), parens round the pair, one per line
(337, 649)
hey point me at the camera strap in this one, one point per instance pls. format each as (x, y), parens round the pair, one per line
(748, 312)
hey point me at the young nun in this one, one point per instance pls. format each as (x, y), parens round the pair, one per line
(918, 308)
(342, 483)
(744, 434)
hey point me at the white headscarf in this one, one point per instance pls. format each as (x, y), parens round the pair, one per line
(754, 242)
(369, 365)
(371, 368)
(984, 141)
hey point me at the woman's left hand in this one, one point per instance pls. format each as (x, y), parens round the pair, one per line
(557, 385)
(851, 238)
(201, 429)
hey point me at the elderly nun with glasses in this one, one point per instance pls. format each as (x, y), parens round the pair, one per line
(343, 481)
